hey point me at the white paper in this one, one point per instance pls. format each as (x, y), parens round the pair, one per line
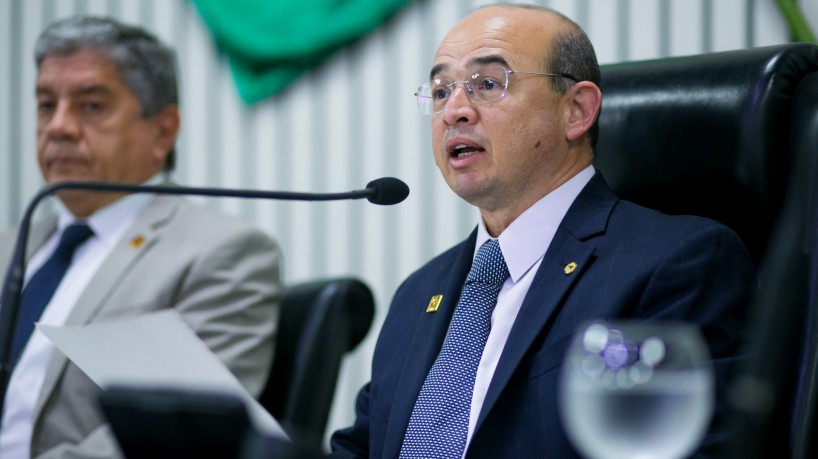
(157, 350)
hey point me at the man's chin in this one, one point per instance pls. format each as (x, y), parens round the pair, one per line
(83, 203)
(60, 178)
(468, 186)
(74, 197)
(67, 176)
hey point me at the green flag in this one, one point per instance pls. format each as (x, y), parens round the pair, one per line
(270, 43)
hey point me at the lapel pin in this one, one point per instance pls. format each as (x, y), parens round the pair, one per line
(434, 303)
(137, 241)
(570, 268)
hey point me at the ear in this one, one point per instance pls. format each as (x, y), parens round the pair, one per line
(167, 124)
(584, 101)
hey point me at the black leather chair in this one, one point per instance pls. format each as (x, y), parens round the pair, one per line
(734, 136)
(320, 322)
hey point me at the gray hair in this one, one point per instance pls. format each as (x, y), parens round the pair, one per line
(146, 66)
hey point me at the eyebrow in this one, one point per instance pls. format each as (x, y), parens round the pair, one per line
(82, 91)
(490, 59)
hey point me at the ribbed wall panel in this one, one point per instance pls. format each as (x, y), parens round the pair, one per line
(351, 120)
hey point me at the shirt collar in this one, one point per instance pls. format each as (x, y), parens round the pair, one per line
(525, 241)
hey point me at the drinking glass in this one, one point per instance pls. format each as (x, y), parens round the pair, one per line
(637, 390)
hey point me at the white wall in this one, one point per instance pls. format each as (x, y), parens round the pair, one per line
(810, 9)
(351, 120)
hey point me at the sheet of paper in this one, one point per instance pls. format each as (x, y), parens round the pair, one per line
(152, 350)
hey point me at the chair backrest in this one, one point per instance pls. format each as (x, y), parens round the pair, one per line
(320, 322)
(734, 136)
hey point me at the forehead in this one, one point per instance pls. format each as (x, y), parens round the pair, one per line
(83, 67)
(520, 37)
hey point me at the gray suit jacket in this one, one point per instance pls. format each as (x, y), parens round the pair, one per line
(221, 275)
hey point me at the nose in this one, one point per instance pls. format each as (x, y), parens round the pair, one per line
(61, 123)
(463, 86)
(459, 108)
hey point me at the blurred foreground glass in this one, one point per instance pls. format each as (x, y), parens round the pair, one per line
(636, 390)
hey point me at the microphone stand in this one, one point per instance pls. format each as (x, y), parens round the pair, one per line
(385, 191)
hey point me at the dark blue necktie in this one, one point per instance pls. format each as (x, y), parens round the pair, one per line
(42, 285)
(440, 419)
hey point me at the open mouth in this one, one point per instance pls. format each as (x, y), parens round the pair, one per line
(463, 150)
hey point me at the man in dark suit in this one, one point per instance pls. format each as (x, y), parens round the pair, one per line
(107, 110)
(514, 97)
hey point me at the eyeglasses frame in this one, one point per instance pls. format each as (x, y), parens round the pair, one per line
(467, 87)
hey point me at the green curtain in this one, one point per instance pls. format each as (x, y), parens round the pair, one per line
(270, 43)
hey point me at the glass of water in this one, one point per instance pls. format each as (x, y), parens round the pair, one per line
(637, 390)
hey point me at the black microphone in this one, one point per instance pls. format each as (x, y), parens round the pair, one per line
(387, 191)
(382, 191)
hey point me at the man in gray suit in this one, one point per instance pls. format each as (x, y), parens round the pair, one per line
(107, 110)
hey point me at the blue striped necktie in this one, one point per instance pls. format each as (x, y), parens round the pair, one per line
(42, 285)
(440, 419)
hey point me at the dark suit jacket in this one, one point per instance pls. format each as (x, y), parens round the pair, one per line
(631, 262)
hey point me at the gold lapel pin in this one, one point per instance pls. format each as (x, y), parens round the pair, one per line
(137, 241)
(570, 268)
(434, 303)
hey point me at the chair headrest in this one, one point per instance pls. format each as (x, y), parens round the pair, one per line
(705, 135)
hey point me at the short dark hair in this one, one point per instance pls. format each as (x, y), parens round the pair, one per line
(571, 53)
(146, 66)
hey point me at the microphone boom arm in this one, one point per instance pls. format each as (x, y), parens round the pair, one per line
(385, 190)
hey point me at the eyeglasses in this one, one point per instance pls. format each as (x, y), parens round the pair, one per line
(486, 84)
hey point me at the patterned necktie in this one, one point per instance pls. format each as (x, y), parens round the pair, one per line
(440, 420)
(42, 285)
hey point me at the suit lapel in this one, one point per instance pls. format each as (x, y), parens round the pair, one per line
(39, 235)
(573, 243)
(430, 331)
(135, 244)
(114, 269)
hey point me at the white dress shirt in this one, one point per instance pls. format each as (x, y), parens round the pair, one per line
(109, 225)
(523, 244)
